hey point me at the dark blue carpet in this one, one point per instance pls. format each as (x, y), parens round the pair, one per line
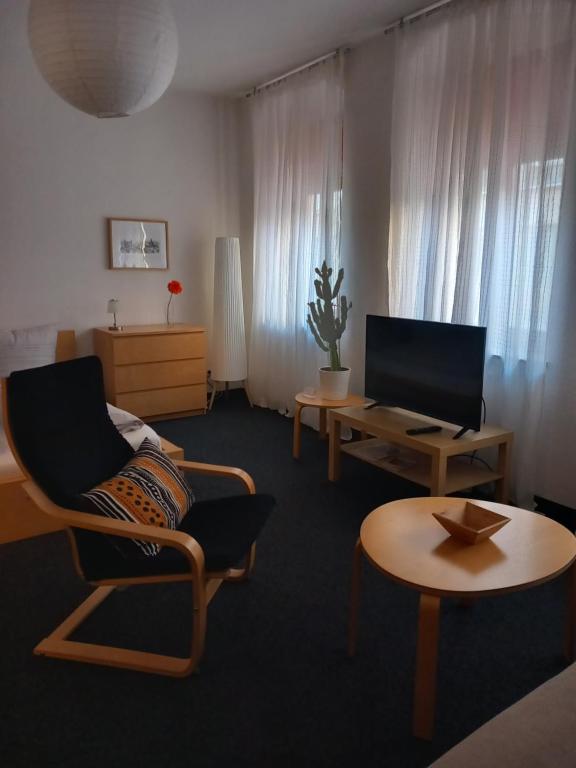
(275, 687)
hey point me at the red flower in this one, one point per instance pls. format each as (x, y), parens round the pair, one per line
(174, 286)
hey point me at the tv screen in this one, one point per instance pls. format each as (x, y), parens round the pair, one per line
(432, 368)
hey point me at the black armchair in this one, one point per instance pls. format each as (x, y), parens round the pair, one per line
(59, 430)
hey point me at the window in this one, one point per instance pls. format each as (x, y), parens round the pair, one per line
(524, 257)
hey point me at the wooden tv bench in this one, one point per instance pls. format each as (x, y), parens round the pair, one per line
(438, 462)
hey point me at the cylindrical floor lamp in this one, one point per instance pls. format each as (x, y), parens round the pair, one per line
(228, 337)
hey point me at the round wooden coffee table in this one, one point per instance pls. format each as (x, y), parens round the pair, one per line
(313, 401)
(405, 542)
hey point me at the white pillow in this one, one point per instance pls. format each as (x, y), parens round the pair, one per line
(132, 428)
(126, 422)
(27, 348)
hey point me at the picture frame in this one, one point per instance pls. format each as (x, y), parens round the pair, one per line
(138, 243)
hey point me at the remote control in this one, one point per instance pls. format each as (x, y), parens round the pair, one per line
(423, 430)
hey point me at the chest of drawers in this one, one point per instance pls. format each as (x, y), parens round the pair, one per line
(154, 371)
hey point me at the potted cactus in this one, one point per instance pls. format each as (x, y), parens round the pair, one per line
(327, 328)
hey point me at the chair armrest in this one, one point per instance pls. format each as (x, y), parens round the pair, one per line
(179, 540)
(217, 469)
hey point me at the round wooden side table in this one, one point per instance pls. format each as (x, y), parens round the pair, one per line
(405, 542)
(313, 401)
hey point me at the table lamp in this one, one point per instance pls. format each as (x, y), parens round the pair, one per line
(113, 307)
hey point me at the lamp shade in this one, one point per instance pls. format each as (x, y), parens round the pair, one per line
(228, 338)
(113, 305)
(108, 58)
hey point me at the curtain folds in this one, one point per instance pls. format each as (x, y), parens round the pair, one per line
(297, 145)
(481, 120)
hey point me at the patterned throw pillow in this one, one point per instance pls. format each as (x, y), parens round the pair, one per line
(149, 490)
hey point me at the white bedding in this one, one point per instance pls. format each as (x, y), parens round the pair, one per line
(130, 427)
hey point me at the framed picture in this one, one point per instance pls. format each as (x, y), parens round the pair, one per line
(138, 243)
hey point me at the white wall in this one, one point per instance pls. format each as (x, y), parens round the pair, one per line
(62, 173)
(246, 176)
(366, 192)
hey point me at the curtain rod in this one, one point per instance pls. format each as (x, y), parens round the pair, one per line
(416, 15)
(309, 64)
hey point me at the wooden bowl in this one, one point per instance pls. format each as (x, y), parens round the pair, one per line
(471, 523)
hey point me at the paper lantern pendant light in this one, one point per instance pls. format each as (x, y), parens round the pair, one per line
(109, 58)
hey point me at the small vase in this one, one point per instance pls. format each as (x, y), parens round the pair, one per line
(168, 322)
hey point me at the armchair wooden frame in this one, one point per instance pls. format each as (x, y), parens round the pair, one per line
(204, 584)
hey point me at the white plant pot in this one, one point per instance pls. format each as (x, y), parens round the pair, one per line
(334, 384)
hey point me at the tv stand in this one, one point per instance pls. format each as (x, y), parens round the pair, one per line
(435, 460)
(459, 434)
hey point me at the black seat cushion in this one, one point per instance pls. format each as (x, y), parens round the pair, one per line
(225, 529)
(61, 427)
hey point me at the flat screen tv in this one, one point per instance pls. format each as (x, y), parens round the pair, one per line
(436, 369)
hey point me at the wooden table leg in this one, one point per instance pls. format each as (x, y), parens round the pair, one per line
(504, 470)
(571, 614)
(426, 663)
(354, 599)
(438, 476)
(322, 424)
(297, 431)
(333, 446)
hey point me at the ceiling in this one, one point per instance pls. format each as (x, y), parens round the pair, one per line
(228, 46)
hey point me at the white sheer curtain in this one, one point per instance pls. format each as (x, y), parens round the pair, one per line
(297, 143)
(480, 127)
